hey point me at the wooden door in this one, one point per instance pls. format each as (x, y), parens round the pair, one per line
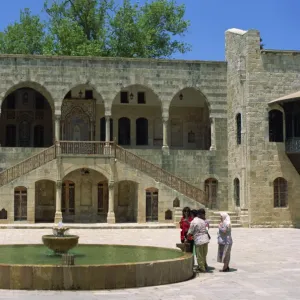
(68, 198)
(20, 204)
(152, 205)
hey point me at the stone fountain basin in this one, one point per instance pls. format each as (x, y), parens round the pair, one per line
(60, 244)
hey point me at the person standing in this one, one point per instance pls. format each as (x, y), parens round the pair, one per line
(185, 224)
(224, 241)
(198, 231)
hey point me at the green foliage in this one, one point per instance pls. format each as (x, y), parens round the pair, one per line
(100, 28)
(24, 37)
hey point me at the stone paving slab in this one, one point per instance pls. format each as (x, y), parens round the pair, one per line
(90, 226)
(265, 265)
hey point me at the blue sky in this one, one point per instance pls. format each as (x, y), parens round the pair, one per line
(277, 20)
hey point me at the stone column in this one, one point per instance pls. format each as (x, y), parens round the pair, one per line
(58, 213)
(107, 129)
(111, 203)
(57, 128)
(165, 133)
(212, 134)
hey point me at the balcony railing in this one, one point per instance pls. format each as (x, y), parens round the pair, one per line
(86, 148)
(292, 145)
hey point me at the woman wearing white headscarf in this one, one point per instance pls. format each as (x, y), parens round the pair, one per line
(224, 241)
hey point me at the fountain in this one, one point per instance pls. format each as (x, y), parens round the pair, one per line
(59, 242)
(66, 265)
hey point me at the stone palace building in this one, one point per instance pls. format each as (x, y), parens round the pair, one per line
(87, 139)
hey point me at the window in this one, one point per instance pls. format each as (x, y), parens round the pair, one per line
(142, 131)
(280, 192)
(124, 131)
(89, 94)
(20, 204)
(236, 186)
(124, 97)
(211, 187)
(275, 126)
(238, 129)
(141, 98)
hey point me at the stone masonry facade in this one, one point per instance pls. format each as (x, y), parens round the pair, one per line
(205, 122)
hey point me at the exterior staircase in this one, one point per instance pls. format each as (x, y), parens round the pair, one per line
(214, 219)
(65, 148)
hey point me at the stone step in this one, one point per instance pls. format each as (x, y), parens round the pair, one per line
(233, 225)
(216, 219)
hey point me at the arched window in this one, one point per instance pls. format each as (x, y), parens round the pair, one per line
(236, 186)
(20, 203)
(124, 131)
(211, 189)
(176, 202)
(38, 136)
(68, 198)
(142, 131)
(280, 192)
(275, 126)
(238, 128)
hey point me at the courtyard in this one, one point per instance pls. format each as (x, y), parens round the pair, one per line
(265, 265)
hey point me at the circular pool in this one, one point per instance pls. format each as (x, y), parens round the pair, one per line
(96, 267)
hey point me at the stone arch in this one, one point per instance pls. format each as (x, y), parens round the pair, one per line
(181, 88)
(80, 195)
(26, 105)
(45, 195)
(127, 201)
(189, 118)
(74, 168)
(39, 87)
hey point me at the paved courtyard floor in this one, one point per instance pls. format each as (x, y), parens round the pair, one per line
(265, 264)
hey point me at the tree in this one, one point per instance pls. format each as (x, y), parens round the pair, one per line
(102, 28)
(26, 36)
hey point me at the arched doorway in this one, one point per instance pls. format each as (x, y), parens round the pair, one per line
(211, 190)
(152, 205)
(189, 120)
(141, 132)
(84, 196)
(142, 107)
(78, 113)
(127, 195)
(26, 119)
(124, 131)
(20, 203)
(45, 195)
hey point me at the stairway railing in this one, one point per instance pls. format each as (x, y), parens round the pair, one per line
(27, 165)
(108, 149)
(161, 175)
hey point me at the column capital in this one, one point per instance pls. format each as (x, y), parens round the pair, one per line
(57, 117)
(58, 184)
(107, 117)
(165, 119)
(111, 184)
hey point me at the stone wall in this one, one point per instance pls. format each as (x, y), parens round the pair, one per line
(267, 75)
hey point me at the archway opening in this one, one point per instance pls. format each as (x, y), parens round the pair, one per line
(189, 120)
(45, 195)
(26, 119)
(124, 131)
(127, 195)
(84, 196)
(142, 107)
